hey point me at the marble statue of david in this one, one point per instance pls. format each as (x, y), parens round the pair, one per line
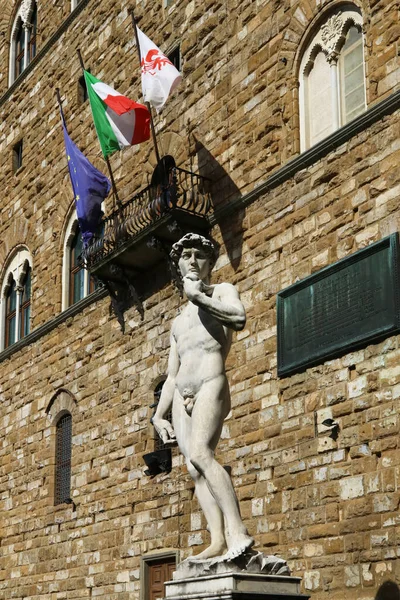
(198, 390)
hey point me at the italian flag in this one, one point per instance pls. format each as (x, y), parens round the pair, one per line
(119, 121)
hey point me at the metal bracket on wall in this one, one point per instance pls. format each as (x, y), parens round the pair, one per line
(122, 293)
(155, 242)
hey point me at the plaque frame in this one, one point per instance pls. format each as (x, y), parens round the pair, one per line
(288, 364)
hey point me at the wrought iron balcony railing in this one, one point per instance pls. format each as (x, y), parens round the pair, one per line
(183, 196)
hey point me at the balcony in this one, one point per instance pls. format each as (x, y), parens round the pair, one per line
(140, 232)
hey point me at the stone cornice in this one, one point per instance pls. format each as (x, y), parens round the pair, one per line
(53, 323)
(44, 50)
(312, 155)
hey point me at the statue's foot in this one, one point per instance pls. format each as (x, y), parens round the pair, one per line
(238, 545)
(215, 549)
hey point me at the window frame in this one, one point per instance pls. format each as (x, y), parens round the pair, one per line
(32, 35)
(19, 49)
(16, 270)
(75, 267)
(329, 37)
(11, 314)
(89, 284)
(24, 25)
(25, 304)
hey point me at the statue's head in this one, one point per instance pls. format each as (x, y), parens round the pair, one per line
(194, 253)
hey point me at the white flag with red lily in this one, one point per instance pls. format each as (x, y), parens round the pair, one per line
(159, 76)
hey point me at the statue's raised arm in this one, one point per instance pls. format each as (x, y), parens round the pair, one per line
(224, 305)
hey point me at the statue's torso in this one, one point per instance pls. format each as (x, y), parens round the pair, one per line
(203, 344)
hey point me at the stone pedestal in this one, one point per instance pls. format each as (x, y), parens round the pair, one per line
(252, 576)
(235, 586)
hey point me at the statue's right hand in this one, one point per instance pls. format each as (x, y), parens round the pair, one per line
(164, 430)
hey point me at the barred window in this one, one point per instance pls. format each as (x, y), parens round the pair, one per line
(63, 459)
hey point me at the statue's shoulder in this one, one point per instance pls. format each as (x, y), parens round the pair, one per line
(175, 323)
(225, 289)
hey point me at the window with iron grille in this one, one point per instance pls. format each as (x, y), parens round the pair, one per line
(63, 459)
(158, 443)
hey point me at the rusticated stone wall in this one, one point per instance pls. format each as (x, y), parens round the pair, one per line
(330, 507)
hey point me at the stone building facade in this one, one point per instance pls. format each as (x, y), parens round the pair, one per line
(280, 213)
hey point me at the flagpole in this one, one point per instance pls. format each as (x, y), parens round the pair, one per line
(59, 99)
(153, 131)
(114, 187)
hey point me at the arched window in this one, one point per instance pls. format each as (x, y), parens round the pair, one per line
(62, 480)
(61, 412)
(23, 39)
(15, 299)
(332, 76)
(77, 283)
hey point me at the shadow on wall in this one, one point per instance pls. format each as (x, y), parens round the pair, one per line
(223, 191)
(388, 591)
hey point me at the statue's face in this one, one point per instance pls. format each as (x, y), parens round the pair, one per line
(194, 261)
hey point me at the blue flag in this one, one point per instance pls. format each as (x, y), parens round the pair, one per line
(89, 185)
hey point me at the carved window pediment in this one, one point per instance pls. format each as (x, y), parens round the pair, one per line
(332, 77)
(330, 37)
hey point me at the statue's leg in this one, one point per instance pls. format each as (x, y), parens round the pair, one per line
(215, 521)
(208, 415)
(212, 513)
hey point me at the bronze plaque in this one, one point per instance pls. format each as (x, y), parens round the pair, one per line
(347, 305)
